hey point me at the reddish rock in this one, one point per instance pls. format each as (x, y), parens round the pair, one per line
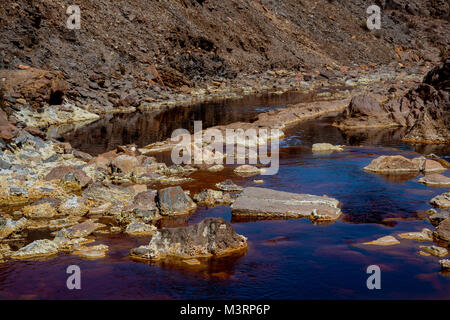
(392, 164)
(61, 172)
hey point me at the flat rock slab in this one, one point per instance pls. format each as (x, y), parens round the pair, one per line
(262, 202)
(36, 249)
(435, 179)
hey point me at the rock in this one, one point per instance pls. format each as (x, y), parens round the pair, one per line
(228, 186)
(36, 249)
(247, 170)
(82, 155)
(80, 230)
(364, 111)
(212, 237)
(211, 198)
(69, 175)
(216, 168)
(435, 179)
(442, 200)
(430, 166)
(384, 241)
(144, 207)
(445, 264)
(424, 235)
(124, 164)
(435, 250)
(39, 210)
(173, 201)
(75, 205)
(35, 85)
(109, 193)
(261, 202)
(140, 229)
(93, 252)
(443, 230)
(439, 217)
(8, 227)
(325, 147)
(392, 165)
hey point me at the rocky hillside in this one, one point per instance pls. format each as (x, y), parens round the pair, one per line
(143, 48)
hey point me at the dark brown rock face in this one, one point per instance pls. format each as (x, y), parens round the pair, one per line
(363, 111)
(211, 237)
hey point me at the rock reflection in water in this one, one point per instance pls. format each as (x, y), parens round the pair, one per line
(145, 128)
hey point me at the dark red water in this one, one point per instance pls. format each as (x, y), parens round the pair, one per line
(286, 259)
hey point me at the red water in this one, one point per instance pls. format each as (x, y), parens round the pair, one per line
(285, 259)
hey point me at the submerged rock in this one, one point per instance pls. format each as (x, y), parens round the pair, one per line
(442, 200)
(261, 202)
(325, 147)
(140, 229)
(212, 237)
(384, 241)
(93, 252)
(443, 230)
(36, 249)
(174, 200)
(392, 165)
(435, 179)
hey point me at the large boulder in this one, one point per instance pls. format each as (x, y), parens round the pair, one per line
(443, 230)
(212, 237)
(435, 179)
(174, 200)
(392, 165)
(261, 202)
